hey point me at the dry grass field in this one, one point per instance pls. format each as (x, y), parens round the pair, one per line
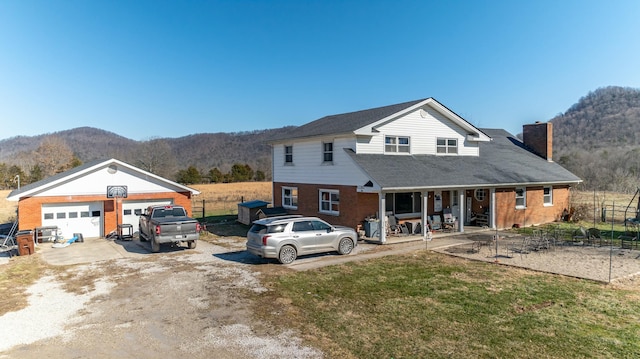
(7, 209)
(590, 204)
(223, 198)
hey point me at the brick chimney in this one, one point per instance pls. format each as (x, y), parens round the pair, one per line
(538, 137)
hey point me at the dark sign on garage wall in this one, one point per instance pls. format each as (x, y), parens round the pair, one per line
(116, 191)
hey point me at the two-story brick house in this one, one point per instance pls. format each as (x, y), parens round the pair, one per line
(417, 159)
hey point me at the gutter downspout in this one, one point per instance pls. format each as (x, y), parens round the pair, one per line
(492, 207)
(425, 215)
(463, 210)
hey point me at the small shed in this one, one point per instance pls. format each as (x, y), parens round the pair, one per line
(272, 212)
(248, 211)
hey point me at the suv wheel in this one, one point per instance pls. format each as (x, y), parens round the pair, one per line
(287, 255)
(345, 246)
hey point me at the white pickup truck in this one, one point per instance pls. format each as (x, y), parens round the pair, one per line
(168, 224)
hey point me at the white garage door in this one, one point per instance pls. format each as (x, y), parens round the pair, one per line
(131, 210)
(70, 218)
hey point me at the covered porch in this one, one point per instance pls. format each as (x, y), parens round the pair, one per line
(406, 238)
(422, 214)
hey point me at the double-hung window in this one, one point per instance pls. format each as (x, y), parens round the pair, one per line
(396, 144)
(290, 197)
(548, 196)
(329, 202)
(521, 198)
(327, 152)
(288, 154)
(446, 145)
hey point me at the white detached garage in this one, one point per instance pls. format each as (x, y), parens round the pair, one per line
(93, 199)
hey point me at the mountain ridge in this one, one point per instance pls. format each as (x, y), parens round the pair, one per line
(597, 138)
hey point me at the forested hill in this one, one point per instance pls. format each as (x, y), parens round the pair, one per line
(163, 156)
(598, 139)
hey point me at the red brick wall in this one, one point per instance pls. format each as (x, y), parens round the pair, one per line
(539, 138)
(354, 206)
(30, 208)
(535, 212)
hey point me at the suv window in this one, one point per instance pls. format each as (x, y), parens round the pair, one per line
(278, 228)
(302, 226)
(258, 228)
(317, 225)
(262, 229)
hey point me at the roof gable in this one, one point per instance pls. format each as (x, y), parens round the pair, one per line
(94, 177)
(365, 122)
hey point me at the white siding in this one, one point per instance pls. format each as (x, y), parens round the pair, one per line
(422, 132)
(97, 182)
(308, 165)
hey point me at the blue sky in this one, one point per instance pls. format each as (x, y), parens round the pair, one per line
(146, 69)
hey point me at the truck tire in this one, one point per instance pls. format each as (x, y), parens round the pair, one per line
(155, 246)
(142, 237)
(191, 244)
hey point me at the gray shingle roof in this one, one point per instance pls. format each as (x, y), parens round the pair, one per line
(502, 161)
(344, 123)
(71, 173)
(55, 177)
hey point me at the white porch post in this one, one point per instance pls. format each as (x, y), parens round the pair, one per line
(463, 210)
(492, 207)
(383, 218)
(425, 214)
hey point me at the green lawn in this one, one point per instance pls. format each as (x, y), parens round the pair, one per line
(429, 305)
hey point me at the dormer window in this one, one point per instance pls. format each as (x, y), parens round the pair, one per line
(396, 144)
(446, 145)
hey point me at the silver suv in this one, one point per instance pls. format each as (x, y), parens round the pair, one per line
(287, 237)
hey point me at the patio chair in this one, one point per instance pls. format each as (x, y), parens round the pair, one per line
(392, 225)
(449, 219)
(436, 222)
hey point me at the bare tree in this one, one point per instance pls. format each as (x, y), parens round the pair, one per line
(53, 156)
(157, 157)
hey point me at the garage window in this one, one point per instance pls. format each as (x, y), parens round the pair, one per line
(84, 214)
(95, 214)
(127, 212)
(61, 215)
(48, 216)
(73, 214)
(137, 212)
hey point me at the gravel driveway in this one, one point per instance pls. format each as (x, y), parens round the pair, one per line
(177, 303)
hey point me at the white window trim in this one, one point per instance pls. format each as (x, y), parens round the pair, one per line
(286, 154)
(446, 146)
(324, 152)
(320, 201)
(550, 196)
(291, 189)
(524, 197)
(397, 145)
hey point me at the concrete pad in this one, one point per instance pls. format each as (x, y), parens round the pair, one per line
(91, 250)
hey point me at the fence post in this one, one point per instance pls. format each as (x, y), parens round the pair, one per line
(203, 211)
